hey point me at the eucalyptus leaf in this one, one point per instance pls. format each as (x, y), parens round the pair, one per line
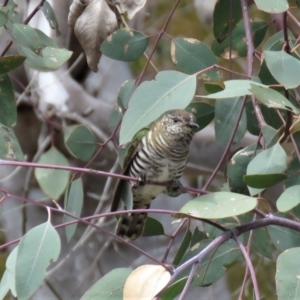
(169, 90)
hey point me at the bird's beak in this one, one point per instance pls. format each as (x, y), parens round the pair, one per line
(193, 125)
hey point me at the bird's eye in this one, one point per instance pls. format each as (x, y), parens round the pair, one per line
(175, 120)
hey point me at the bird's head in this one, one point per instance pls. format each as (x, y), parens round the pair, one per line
(178, 124)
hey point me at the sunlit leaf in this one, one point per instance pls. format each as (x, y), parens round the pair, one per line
(145, 282)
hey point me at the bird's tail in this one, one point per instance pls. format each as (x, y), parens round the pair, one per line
(131, 226)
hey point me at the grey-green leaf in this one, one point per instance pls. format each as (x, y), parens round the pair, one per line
(38, 247)
(270, 161)
(8, 111)
(218, 205)
(50, 16)
(73, 204)
(284, 68)
(80, 141)
(287, 274)
(169, 90)
(125, 44)
(272, 98)
(10, 62)
(9, 145)
(272, 6)
(109, 287)
(191, 56)
(226, 113)
(52, 182)
(289, 199)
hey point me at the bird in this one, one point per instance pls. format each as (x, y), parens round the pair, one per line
(158, 153)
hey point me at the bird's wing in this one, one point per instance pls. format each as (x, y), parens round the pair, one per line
(132, 150)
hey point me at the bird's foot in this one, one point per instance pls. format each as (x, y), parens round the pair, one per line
(173, 190)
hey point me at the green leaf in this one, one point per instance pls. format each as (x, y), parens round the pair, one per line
(3, 18)
(191, 56)
(287, 274)
(115, 116)
(8, 63)
(170, 90)
(237, 168)
(8, 111)
(203, 112)
(293, 171)
(212, 267)
(213, 87)
(48, 59)
(270, 135)
(38, 247)
(182, 248)
(283, 67)
(50, 16)
(80, 141)
(224, 19)
(9, 145)
(237, 40)
(272, 6)
(8, 279)
(261, 243)
(233, 88)
(109, 287)
(125, 44)
(270, 161)
(125, 92)
(41, 51)
(272, 98)
(283, 238)
(52, 182)
(263, 181)
(226, 113)
(153, 227)
(73, 204)
(218, 205)
(289, 199)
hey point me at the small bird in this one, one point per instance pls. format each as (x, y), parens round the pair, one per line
(157, 153)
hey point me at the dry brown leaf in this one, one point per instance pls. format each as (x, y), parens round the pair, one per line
(131, 6)
(76, 9)
(145, 282)
(95, 23)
